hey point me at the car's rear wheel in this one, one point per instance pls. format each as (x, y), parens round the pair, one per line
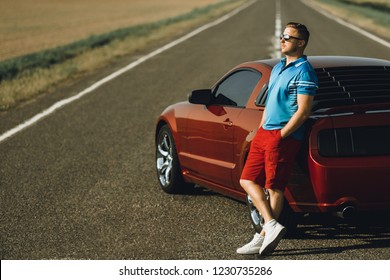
(167, 163)
(287, 218)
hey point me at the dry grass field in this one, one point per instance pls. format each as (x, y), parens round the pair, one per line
(49, 26)
(375, 20)
(28, 26)
(384, 2)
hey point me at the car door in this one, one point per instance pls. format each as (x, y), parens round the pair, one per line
(211, 128)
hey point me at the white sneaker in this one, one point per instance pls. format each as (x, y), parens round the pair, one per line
(274, 232)
(253, 246)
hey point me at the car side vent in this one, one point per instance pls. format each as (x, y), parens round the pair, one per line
(354, 141)
(340, 86)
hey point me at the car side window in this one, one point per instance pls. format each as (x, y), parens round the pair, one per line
(236, 89)
(262, 97)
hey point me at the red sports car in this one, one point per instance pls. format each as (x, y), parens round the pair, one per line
(343, 166)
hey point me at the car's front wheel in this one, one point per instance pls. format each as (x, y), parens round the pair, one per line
(167, 163)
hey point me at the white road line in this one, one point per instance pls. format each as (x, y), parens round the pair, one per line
(349, 25)
(278, 30)
(114, 75)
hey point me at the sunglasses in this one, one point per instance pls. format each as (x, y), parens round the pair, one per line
(287, 37)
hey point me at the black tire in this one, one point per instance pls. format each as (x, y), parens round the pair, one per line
(167, 163)
(288, 217)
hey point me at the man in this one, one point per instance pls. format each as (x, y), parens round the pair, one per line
(292, 86)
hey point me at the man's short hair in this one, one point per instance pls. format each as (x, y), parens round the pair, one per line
(302, 31)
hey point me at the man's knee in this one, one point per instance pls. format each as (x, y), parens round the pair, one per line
(246, 183)
(243, 182)
(276, 192)
(250, 186)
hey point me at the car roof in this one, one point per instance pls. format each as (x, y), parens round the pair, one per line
(334, 61)
(347, 80)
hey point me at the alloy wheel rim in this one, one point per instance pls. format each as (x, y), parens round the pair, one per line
(257, 219)
(164, 160)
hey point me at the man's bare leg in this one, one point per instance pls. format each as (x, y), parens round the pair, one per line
(269, 209)
(258, 198)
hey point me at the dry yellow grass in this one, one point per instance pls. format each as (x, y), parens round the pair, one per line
(357, 19)
(28, 26)
(30, 84)
(385, 2)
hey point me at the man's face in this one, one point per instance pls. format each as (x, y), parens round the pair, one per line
(293, 45)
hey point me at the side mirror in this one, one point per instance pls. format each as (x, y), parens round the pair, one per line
(200, 96)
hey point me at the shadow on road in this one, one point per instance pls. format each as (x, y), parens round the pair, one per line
(365, 231)
(373, 224)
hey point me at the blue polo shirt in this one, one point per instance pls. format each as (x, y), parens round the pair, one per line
(285, 83)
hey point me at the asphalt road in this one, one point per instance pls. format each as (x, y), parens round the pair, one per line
(81, 184)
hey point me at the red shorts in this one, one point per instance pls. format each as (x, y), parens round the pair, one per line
(270, 159)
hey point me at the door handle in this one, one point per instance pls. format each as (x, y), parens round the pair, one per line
(227, 123)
